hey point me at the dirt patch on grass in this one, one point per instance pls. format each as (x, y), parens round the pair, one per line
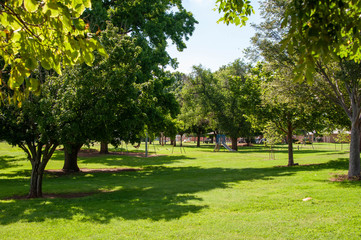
(244, 145)
(95, 153)
(337, 177)
(90, 170)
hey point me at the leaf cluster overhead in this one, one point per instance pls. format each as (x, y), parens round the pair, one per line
(46, 32)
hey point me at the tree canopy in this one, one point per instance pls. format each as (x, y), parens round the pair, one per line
(49, 32)
(320, 30)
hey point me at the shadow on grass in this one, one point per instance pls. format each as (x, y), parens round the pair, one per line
(131, 161)
(17, 174)
(157, 193)
(8, 162)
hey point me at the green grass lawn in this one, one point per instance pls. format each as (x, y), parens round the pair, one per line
(199, 194)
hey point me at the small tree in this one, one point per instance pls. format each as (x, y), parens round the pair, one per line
(273, 136)
(342, 137)
(32, 128)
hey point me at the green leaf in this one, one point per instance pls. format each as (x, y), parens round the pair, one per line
(16, 3)
(79, 24)
(4, 20)
(34, 84)
(31, 63)
(87, 3)
(45, 64)
(101, 50)
(67, 23)
(88, 58)
(31, 5)
(53, 8)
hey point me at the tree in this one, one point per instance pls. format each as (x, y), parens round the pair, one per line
(342, 137)
(238, 96)
(194, 99)
(289, 105)
(273, 136)
(151, 24)
(32, 128)
(99, 103)
(340, 82)
(49, 32)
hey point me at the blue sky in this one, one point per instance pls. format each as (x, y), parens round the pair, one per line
(212, 45)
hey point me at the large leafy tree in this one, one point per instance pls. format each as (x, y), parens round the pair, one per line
(153, 24)
(196, 112)
(237, 98)
(99, 103)
(49, 32)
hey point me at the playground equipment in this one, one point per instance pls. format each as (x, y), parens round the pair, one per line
(221, 141)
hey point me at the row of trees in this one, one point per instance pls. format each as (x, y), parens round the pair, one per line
(119, 92)
(322, 38)
(241, 101)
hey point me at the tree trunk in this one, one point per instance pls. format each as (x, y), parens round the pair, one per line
(161, 139)
(198, 139)
(104, 148)
(39, 157)
(36, 181)
(234, 144)
(248, 141)
(181, 140)
(71, 157)
(290, 145)
(354, 163)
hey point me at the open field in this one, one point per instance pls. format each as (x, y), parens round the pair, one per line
(199, 194)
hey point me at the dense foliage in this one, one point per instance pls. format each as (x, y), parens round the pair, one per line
(49, 32)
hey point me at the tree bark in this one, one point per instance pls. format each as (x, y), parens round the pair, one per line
(198, 139)
(248, 141)
(354, 163)
(71, 157)
(36, 181)
(234, 144)
(290, 145)
(104, 148)
(39, 158)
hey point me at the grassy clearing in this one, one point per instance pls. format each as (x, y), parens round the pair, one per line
(197, 195)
